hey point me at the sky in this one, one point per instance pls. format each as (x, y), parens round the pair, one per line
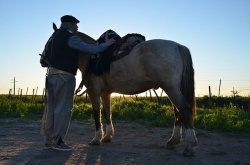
(217, 32)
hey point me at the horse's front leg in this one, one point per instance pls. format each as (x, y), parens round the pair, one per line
(177, 132)
(108, 116)
(97, 117)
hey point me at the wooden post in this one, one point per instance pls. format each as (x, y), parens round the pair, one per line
(249, 108)
(120, 99)
(159, 99)
(21, 94)
(14, 85)
(27, 92)
(150, 94)
(210, 94)
(10, 93)
(36, 90)
(43, 93)
(219, 89)
(33, 94)
(161, 92)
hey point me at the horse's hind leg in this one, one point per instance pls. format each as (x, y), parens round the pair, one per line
(185, 112)
(108, 116)
(177, 131)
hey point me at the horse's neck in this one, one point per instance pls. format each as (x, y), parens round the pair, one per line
(86, 38)
(84, 57)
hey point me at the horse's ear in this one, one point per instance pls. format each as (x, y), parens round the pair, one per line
(55, 27)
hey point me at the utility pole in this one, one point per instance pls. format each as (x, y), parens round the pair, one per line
(14, 85)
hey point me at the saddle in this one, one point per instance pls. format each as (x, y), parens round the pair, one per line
(100, 63)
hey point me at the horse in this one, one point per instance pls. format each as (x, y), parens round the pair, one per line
(151, 64)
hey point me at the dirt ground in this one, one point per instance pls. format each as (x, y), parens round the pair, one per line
(21, 143)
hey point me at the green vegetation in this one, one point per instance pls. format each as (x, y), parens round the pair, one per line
(227, 116)
(231, 120)
(16, 108)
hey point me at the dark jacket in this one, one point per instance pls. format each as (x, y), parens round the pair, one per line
(62, 56)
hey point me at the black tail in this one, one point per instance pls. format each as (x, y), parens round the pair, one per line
(187, 84)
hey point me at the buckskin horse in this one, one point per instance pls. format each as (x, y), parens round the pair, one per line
(151, 64)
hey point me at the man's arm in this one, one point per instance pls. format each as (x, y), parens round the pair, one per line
(76, 43)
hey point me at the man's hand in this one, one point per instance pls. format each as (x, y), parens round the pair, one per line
(110, 41)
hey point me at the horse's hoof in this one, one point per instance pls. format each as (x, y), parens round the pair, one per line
(188, 152)
(95, 142)
(107, 139)
(170, 146)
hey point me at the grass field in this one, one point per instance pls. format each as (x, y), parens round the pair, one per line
(227, 118)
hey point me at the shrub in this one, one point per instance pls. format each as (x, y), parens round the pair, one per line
(223, 119)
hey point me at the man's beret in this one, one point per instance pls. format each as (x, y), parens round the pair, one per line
(69, 18)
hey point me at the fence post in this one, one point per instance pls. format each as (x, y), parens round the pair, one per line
(249, 109)
(219, 89)
(33, 95)
(158, 98)
(161, 92)
(36, 92)
(21, 93)
(27, 91)
(150, 94)
(136, 97)
(210, 94)
(119, 100)
(10, 93)
(43, 93)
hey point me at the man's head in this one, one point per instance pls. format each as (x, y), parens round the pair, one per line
(69, 22)
(69, 18)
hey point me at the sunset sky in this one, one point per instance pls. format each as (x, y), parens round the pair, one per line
(217, 32)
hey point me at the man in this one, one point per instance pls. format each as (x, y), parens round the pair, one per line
(61, 80)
